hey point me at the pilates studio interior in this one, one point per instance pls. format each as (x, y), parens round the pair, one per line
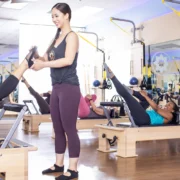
(89, 90)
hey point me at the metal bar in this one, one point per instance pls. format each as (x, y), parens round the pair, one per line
(107, 116)
(14, 127)
(97, 38)
(2, 113)
(134, 27)
(173, 1)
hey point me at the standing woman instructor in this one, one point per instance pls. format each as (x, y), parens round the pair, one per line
(61, 57)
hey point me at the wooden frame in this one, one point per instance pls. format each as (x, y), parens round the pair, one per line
(9, 115)
(31, 122)
(127, 137)
(90, 123)
(14, 162)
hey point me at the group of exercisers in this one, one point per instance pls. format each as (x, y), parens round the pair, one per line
(61, 57)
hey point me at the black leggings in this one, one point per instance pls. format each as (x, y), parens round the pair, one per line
(64, 105)
(143, 102)
(43, 105)
(8, 86)
(137, 111)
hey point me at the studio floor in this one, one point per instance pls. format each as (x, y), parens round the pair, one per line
(157, 159)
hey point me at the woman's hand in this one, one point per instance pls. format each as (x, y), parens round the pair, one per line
(50, 92)
(88, 96)
(143, 93)
(36, 54)
(38, 65)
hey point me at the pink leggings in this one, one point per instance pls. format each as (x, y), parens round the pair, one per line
(84, 106)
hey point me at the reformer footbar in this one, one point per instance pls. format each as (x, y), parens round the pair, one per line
(117, 104)
(31, 102)
(15, 108)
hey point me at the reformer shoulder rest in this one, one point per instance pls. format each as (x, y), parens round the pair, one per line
(115, 104)
(13, 107)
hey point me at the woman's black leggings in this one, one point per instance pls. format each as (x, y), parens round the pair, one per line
(8, 86)
(43, 105)
(143, 102)
(137, 111)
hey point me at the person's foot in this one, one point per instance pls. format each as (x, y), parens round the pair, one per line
(68, 175)
(30, 56)
(53, 169)
(109, 73)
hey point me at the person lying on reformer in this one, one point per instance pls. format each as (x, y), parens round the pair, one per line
(88, 108)
(156, 116)
(43, 103)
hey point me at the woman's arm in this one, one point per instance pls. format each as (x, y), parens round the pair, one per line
(11, 99)
(97, 110)
(72, 46)
(167, 115)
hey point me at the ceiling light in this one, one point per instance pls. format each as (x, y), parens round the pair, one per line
(22, 1)
(10, 5)
(87, 11)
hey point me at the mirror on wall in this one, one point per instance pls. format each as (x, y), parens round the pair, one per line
(9, 50)
(9, 60)
(165, 64)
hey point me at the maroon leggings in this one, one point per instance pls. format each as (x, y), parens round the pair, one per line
(64, 110)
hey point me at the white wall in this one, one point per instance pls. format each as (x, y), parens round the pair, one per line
(161, 29)
(117, 46)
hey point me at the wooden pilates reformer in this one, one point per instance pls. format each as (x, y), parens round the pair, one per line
(127, 134)
(83, 124)
(14, 153)
(31, 121)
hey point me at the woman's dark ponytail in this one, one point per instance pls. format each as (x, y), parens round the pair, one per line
(54, 41)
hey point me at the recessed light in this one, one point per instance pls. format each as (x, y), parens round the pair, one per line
(17, 6)
(87, 11)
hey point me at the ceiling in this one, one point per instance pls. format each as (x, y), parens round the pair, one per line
(36, 12)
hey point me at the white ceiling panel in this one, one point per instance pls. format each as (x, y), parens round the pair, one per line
(36, 13)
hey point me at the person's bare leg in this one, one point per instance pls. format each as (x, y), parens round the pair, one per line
(60, 159)
(73, 163)
(18, 73)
